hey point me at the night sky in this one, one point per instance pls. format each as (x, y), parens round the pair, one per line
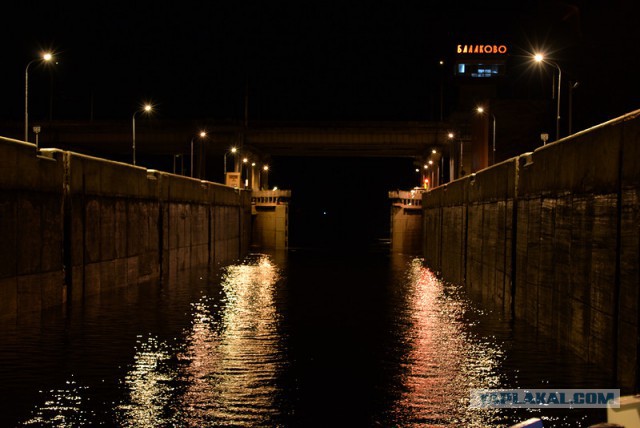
(309, 61)
(318, 60)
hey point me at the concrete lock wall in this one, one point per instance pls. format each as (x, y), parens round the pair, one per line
(270, 223)
(31, 229)
(74, 226)
(406, 229)
(406, 221)
(553, 237)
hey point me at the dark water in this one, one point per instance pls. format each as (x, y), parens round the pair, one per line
(303, 338)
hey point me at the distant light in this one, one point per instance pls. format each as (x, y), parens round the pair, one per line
(253, 164)
(426, 166)
(324, 213)
(47, 56)
(417, 170)
(233, 150)
(266, 167)
(275, 187)
(203, 134)
(480, 109)
(450, 135)
(434, 151)
(430, 162)
(147, 107)
(441, 62)
(538, 57)
(245, 160)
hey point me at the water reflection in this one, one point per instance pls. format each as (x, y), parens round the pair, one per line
(148, 383)
(311, 339)
(63, 407)
(228, 365)
(444, 360)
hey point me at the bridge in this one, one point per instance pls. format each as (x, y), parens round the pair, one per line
(158, 137)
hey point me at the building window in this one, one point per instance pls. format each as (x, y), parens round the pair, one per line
(479, 70)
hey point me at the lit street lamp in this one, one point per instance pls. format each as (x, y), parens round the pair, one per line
(493, 138)
(540, 58)
(254, 178)
(245, 167)
(234, 151)
(46, 57)
(202, 135)
(147, 108)
(452, 157)
(266, 177)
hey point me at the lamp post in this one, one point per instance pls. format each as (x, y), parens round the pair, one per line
(202, 135)
(540, 58)
(572, 86)
(493, 137)
(47, 57)
(452, 162)
(147, 108)
(253, 176)
(175, 158)
(245, 167)
(234, 151)
(266, 177)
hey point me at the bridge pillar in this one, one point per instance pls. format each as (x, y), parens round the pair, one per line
(406, 221)
(270, 219)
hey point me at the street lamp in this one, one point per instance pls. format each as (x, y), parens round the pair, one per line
(452, 157)
(480, 110)
(254, 177)
(202, 135)
(245, 166)
(266, 176)
(572, 85)
(539, 58)
(233, 151)
(46, 57)
(147, 108)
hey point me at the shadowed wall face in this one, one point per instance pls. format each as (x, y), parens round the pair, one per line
(75, 226)
(552, 238)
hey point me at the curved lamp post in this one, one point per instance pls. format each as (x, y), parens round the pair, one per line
(46, 57)
(147, 108)
(202, 134)
(539, 58)
(493, 138)
(234, 151)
